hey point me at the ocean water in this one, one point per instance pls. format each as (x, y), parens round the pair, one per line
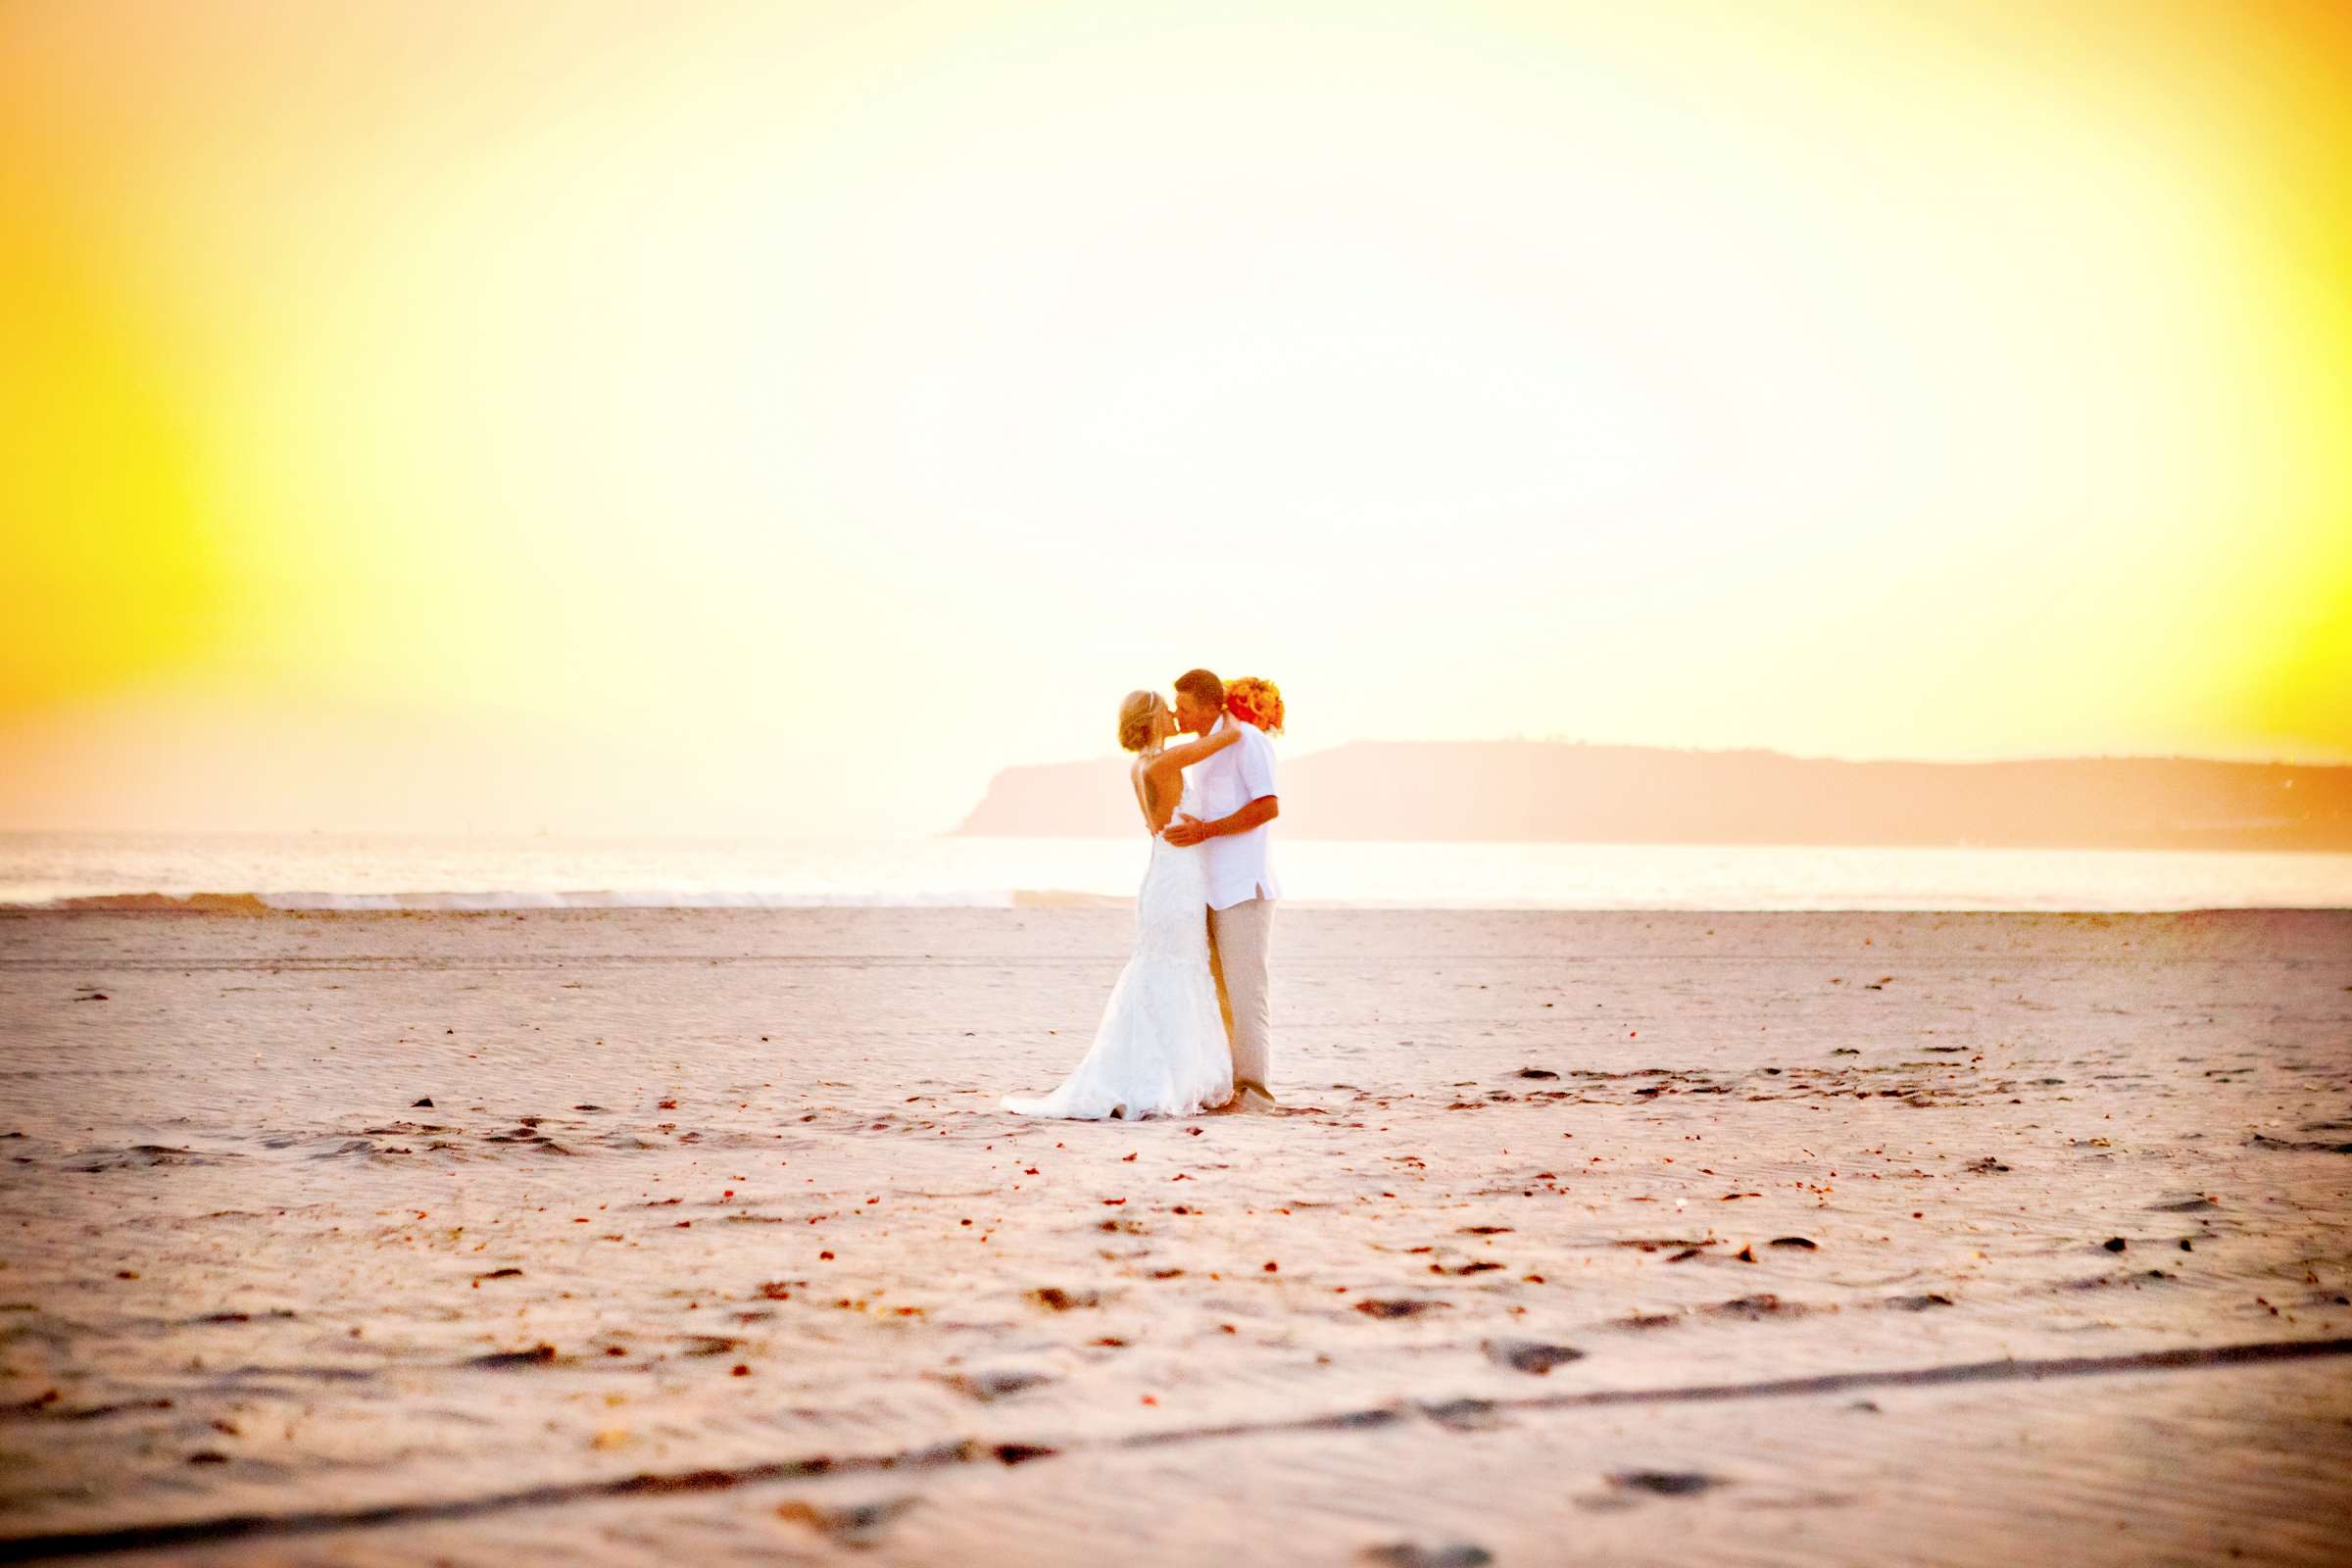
(328, 871)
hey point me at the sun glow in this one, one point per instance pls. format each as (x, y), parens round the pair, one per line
(760, 417)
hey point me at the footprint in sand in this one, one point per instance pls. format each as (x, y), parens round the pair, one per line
(987, 1386)
(1530, 1355)
(1406, 1554)
(856, 1525)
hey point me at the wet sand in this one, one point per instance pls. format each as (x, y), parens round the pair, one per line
(614, 1236)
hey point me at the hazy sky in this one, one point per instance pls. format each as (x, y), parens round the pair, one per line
(725, 416)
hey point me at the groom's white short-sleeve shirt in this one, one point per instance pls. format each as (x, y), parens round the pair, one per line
(1238, 866)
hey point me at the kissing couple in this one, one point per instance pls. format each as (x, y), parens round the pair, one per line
(1186, 1028)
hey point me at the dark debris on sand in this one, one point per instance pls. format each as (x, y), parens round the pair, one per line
(1406, 1554)
(1055, 1298)
(1665, 1483)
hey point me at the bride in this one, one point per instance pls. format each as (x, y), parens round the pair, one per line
(1160, 1050)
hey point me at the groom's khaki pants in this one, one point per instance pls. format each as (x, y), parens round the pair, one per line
(1237, 956)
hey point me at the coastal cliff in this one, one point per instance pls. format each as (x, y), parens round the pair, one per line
(1538, 791)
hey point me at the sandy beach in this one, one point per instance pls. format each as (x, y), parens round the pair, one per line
(649, 1234)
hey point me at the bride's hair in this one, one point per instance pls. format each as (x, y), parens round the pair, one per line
(1138, 715)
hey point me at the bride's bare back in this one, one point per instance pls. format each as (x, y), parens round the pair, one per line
(1139, 776)
(1158, 779)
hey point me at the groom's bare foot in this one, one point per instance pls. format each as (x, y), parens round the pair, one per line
(1248, 1095)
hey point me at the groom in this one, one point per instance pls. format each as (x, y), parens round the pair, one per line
(1237, 790)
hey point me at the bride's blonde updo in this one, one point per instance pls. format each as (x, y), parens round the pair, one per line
(1138, 717)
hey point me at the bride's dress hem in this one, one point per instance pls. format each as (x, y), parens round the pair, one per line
(1160, 1049)
(1037, 1105)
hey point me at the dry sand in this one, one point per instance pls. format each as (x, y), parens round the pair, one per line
(713, 1243)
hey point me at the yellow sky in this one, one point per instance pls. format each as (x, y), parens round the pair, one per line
(736, 417)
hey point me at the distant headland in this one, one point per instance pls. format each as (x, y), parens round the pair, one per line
(1552, 790)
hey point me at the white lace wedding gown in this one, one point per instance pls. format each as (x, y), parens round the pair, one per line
(1160, 1050)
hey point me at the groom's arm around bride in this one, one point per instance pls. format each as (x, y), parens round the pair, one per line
(1188, 830)
(1257, 765)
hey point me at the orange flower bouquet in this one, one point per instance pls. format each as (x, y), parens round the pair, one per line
(1256, 701)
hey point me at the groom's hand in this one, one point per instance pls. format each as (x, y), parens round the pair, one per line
(1186, 831)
